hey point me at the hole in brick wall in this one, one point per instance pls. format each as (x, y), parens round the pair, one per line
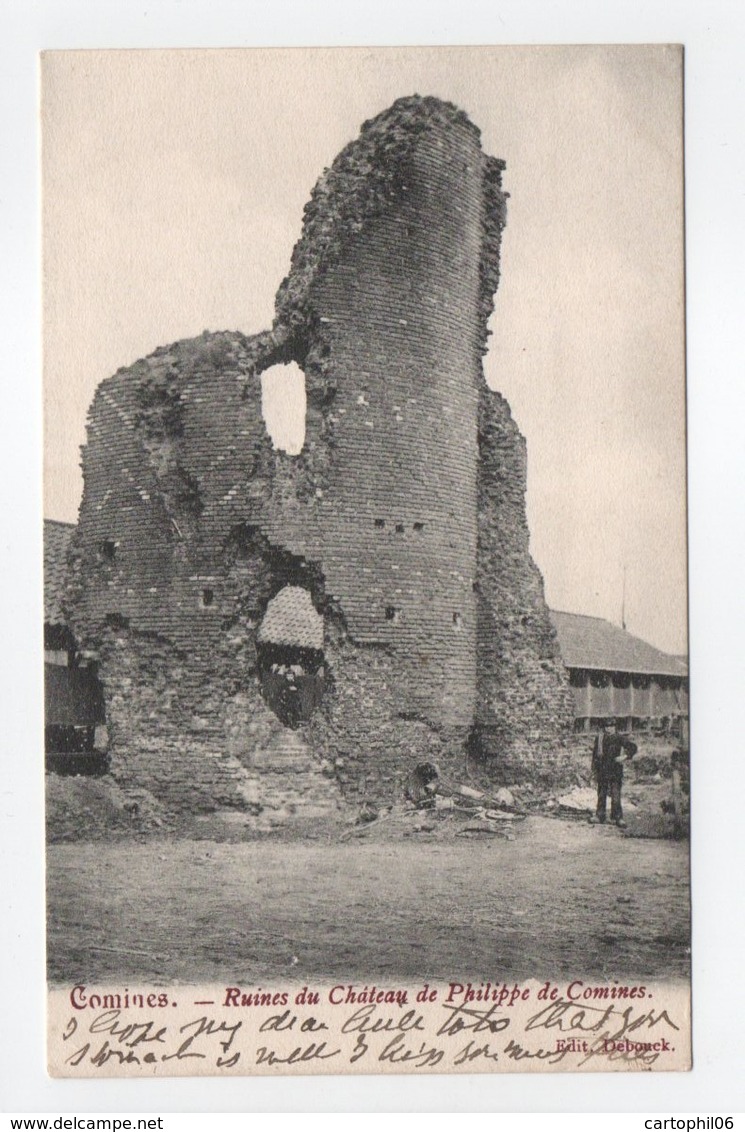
(457, 621)
(399, 528)
(380, 523)
(392, 614)
(117, 621)
(289, 652)
(208, 597)
(418, 526)
(108, 549)
(245, 539)
(283, 404)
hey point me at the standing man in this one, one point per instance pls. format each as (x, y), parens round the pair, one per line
(609, 754)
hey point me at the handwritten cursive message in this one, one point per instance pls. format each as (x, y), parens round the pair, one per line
(368, 1028)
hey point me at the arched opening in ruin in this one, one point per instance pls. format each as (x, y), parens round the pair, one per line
(283, 405)
(289, 652)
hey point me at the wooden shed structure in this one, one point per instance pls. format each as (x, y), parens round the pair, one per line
(73, 696)
(617, 676)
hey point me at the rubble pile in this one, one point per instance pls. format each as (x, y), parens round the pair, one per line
(433, 806)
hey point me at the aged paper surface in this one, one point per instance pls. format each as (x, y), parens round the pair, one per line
(337, 698)
(366, 1028)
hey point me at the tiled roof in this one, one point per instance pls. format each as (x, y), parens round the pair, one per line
(592, 642)
(56, 542)
(292, 619)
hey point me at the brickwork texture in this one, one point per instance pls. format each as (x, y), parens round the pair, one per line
(403, 516)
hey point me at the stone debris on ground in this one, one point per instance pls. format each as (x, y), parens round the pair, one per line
(440, 809)
(469, 792)
(583, 799)
(79, 807)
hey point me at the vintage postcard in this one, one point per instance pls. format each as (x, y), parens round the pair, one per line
(365, 561)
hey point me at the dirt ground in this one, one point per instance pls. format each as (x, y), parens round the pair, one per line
(553, 898)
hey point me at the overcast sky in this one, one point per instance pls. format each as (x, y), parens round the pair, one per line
(174, 189)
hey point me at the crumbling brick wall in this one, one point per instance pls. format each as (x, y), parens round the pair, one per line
(403, 516)
(524, 705)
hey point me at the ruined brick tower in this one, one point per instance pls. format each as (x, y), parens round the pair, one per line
(270, 628)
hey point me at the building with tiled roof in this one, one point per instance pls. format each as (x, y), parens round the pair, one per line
(56, 544)
(615, 675)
